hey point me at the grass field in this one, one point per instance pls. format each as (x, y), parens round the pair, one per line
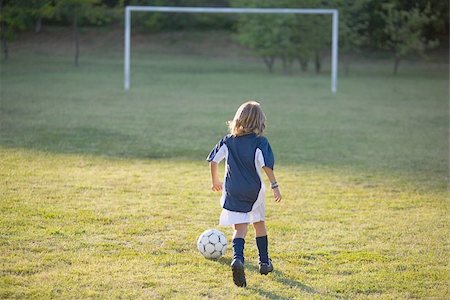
(104, 192)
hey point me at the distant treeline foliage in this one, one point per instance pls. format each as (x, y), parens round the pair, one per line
(402, 27)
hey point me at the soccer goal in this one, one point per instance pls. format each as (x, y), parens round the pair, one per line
(226, 10)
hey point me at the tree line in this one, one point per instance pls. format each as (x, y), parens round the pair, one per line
(400, 27)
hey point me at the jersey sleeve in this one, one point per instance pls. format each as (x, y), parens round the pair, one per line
(219, 152)
(268, 160)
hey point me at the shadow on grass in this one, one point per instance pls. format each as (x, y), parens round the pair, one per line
(278, 276)
(86, 140)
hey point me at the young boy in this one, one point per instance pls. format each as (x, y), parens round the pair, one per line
(246, 152)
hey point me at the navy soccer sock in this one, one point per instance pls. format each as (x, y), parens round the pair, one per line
(238, 248)
(262, 243)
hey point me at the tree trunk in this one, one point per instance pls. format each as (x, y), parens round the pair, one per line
(347, 58)
(76, 38)
(285, 65)
(396, 63)
(4, 42)
(318, 62)
(269, 60)
(38, 25)
(290, 63)
(303, 63)
(5, 48)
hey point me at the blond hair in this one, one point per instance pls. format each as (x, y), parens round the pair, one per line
(249, 118)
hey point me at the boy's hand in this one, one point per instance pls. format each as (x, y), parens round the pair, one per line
(276, 194)
(216, 186)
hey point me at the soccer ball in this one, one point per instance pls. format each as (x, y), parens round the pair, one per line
(212, 243)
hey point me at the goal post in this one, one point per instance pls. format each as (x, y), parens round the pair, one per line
(229, 10)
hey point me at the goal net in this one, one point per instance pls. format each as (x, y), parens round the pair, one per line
(225, 10)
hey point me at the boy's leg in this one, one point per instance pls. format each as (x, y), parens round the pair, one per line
(260, 228)
(262, 241)
(265, 264)
(240, 231)
(237, 264)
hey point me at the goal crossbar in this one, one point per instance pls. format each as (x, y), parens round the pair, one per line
(234, 10)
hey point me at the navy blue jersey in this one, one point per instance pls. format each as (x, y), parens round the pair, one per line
(245, 156)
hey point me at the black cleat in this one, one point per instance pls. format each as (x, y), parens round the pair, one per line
(265, 268)
(238, 273)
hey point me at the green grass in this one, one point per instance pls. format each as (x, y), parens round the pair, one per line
(104, 192)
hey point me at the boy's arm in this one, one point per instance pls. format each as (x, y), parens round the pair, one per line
(216, 183)
(273, 181)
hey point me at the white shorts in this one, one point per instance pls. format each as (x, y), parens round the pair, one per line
(228, 217)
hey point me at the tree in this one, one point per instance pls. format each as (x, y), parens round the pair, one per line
(353, 29)
(317, 32)
(287, 37)
(38, 9)
(312, 33)
(155, 22)
(79, 12)
(268, 36)
(404, 30)
(13, 18)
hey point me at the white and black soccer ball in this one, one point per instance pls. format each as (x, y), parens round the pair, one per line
(212, 243)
